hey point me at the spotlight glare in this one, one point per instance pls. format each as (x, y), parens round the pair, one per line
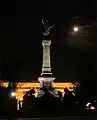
(13, 94)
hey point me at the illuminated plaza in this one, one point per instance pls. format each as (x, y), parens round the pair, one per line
(23, 87)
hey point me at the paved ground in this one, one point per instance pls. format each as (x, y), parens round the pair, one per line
(56, 118)
(60, 118)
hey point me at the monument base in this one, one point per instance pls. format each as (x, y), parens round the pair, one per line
(46, 81)
(46, 87)
(45, 90)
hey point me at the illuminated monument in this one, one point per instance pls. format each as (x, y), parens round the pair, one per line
(46, 79)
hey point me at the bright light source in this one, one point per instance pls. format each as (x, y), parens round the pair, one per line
(21, 99)
(92, 108)
(75, 29)
(13, 94)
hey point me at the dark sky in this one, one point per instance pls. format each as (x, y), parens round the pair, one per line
(20, 39)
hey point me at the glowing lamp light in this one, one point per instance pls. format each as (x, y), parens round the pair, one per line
(92, 108)
(13, 94)
(75, 29)
(21, 99)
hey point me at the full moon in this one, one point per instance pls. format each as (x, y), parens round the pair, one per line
(75, 29)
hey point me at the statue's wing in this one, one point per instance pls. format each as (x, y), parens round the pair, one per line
(53, 25)
(50, 27)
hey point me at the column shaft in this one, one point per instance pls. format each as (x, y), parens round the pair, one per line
(46, 66)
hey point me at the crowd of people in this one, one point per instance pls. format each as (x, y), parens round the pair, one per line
(48, 105)
(68, 105)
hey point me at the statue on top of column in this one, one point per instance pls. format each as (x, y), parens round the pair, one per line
(47, 27)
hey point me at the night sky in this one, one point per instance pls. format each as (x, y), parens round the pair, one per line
(20, 40)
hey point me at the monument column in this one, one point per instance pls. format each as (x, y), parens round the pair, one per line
(46, 65)
(46, 78)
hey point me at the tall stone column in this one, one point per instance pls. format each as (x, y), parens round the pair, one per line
(46, 78)
(46, 65)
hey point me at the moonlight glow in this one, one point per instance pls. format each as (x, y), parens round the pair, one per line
(75, 29)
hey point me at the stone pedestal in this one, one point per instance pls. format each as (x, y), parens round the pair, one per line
(46, 81)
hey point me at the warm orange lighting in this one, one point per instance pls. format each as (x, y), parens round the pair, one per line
(21, 99)
(4, 84)
(23, 87)
(92, 108)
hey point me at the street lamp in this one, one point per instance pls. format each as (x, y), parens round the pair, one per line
(13, 94)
